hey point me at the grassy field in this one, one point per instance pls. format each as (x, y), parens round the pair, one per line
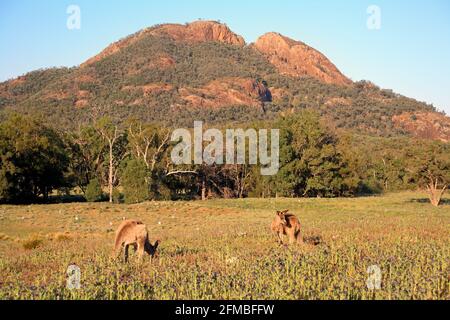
(222, 249)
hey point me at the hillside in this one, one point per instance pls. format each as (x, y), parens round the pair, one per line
(177, 73)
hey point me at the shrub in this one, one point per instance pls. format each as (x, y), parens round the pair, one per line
(164, 193)
(94, 191)
(32, 243)
(134, 183)
(117, 196)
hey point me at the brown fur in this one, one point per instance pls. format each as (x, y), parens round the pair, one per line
(133, 233)
(286, 224)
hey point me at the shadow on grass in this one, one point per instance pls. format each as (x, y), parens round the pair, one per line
(180, 251)
(444, 202)
(53, 199)
(64, 199)
(313, 240)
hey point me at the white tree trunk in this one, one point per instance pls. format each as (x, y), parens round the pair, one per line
(111, 173)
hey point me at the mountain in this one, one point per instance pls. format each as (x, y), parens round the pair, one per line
(296, 59)
(199, 31)
(175, 74)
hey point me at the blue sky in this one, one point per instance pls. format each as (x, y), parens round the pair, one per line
(409, 54)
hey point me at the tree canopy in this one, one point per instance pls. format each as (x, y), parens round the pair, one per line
(33, 160)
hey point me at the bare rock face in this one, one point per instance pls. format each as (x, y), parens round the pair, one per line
(425, 125)
(296, 59)
(199, 31)
(227, 92)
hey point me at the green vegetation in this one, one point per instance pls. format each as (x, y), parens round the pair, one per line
(94, 191)
(77, 132)
(353, 148)
(134, 182)
(54, 93)
(222, 249)
(431, 169)
(315, 161)
(310, 161)
(32, 158)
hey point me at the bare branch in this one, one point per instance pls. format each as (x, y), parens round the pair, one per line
(181, 172)
(158, 152)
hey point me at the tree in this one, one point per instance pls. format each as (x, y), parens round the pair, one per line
(112, 135)
(33, 160)
(86, 153)
(94, 191)
(310, 164)
(134, 181)
(430, 167)
(240, 176)
(147, 142)
(354, 167)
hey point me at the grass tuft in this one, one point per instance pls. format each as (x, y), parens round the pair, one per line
(32, 243)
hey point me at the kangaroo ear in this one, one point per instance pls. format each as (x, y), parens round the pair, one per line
(278, 213)
(285, 211)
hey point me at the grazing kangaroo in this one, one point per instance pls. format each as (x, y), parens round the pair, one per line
(134, 233)
(288, 224)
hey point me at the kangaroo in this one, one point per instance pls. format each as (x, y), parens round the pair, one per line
(134, 233)
(288, 224)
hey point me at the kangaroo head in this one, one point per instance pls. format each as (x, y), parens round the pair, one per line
(281, 216)
(151, 249)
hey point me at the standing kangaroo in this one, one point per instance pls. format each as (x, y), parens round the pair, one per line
(134, 233)
(288, 224)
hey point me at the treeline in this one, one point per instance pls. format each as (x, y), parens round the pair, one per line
(130, 162)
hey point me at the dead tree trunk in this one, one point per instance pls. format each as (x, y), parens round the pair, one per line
(435, 193)
(203, 189)
(111, 172)
(111, 136)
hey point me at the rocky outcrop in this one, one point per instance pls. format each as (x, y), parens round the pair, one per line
(296, 59)
(199, 31)
(163, 68)
(149, 89)
(227, 92)
(290, 57)
(425, 125)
